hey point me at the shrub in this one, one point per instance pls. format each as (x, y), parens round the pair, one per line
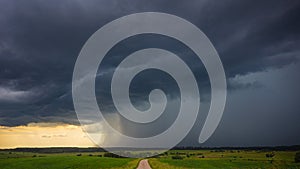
(112, 155)
(297, 157)
(177, 157)
(270, 155)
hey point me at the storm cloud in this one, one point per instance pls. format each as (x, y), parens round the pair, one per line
(258, 43)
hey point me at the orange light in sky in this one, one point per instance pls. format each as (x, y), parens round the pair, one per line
(44, 135)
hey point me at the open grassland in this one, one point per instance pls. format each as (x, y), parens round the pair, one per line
(174, 159)
(225, 159)
(22, 160)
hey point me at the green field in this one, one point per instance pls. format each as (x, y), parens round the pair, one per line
(191, 159)
(226, 159)
(22, 160)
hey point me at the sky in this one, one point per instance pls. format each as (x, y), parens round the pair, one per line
(258, 44)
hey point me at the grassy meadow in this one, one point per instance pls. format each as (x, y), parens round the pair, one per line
(228, 159)
(174, 159)
(25, 160)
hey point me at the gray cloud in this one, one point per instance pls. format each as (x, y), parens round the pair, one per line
(40, 42)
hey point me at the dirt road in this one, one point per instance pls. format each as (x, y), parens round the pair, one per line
(144, 164)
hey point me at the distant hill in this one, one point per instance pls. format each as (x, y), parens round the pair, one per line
(56, 150)
(97, 149)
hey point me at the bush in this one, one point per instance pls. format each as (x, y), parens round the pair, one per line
(112, 155)
(177, 157)
(297, 157)
(270, 155)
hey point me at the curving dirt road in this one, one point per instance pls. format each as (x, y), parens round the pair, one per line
(144, 164)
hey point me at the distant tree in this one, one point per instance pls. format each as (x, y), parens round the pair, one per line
(297, 157)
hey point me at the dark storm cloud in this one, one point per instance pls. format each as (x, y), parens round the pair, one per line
(40, 41)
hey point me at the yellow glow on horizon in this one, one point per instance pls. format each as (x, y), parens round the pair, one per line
(43, 135)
